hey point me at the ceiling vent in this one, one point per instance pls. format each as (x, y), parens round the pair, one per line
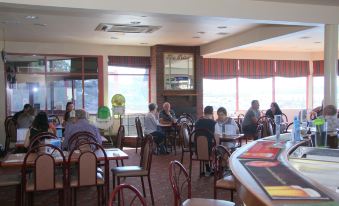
(126, 28)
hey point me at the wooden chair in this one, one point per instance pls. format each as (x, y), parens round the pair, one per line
(288, 127)
(267, 126)
(132, 193)
(284, 117)
(120, 141)
(10, 178)
(185, 135)
(79, 138)
(223, 178)
(181, 186)
(200, 151)
(143, 170)
(85, 170)
(40, 138)
(186, 118)
(7, 132)
(40, 172)
(140, 134)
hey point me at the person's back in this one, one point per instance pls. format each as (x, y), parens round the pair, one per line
(207, 123)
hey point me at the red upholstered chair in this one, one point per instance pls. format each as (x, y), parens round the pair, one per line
(129, 195)
(41, 172)
(223, 178)
(181, 186)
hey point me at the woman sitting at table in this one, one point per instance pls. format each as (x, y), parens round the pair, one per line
(225, 126)
(39, 125)
(69, 108)
(274, 110)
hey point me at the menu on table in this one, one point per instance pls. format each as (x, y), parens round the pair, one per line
(261, 150)
(279, 182)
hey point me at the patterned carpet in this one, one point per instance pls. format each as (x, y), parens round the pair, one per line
(201, 186)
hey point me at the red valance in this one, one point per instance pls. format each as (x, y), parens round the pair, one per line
(318, 68)
(291, 68)
(252, 68)
(219, 68)
(129, 61)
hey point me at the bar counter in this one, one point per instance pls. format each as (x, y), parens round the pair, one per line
(253, 194)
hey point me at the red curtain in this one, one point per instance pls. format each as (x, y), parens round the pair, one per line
(253, 68)
(129, 61)
(219, 68)
(291, 68)
(318, 68)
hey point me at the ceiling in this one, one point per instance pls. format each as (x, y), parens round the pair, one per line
(77, 26)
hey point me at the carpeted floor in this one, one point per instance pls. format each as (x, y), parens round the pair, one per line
(201, 186)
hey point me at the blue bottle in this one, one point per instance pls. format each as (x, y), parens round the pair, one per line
(296, 129)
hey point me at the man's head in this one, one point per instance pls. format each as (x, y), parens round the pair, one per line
(208, 111)
(152, 107)
(27, 107)
(255, 104)
(222, 113)
(81, 114)
(166, 106)
(330, 110)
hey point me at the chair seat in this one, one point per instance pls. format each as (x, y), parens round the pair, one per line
(74, 180)
(227, 182)
(58, 183)
(9, 180)
(129, 171)
(204, 202)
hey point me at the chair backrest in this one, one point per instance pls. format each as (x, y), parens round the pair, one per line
(8, 137)
(185, 134)
(87, 164)
(40, 138)
(267, 125)
(220, 163)
(79, 138)
(201, 144)
(146, 153)
(54, 118)
(139, 128)
(132, 196)
(180, 182)
(11, 129)
(186, 118)
(288, 127)
(121, 137)
(284, 117)
(41, 162)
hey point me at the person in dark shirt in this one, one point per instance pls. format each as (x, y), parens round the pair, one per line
(167, 116)
(274, 110)
(26, 109)
(69, 108)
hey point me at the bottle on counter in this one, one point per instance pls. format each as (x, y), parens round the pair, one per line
(296, 129)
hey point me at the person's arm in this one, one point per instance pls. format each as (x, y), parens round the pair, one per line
(98, 135)
(254, 119)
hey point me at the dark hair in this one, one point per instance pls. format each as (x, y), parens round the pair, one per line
(208, 110)
(277, 108)
(41, 122)
(254, 101)
(27, 106)
(222, 110)
(68, 103)
(152, 106)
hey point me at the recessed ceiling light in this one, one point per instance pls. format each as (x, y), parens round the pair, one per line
(135, 22)
(38, 24)
(31, 17)
(143, 43)
(143, 16)
(222, 27)
(305, 37)
(113, 37)
(201, 32)
(317, 42)
(222, 33)
(196, 37)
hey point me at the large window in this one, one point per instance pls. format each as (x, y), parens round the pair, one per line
(318, 91)
(220, 93)
(255, 89)
(132, 83)
(290, 93)
(49, 82)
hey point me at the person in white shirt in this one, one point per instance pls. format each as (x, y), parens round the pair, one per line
(225, 126)
(151, 127)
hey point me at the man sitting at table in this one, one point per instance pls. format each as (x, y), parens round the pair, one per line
(167, 116)
(225, 126)
(80, 124)
(249, 125)
(151, 127)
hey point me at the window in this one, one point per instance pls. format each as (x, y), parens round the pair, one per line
(49, 82)
(318, 91)
(255, 89)
(132, 83)
(290, 93)
(220, 93)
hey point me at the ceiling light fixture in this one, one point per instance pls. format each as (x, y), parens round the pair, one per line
(317, 42)
(113, 37)
(222, 27)
(196, 37)
(38, 24)
(143, 43)
(31, 17)
(135, 22)
(305, 37)
(222, 33)
(201, 32)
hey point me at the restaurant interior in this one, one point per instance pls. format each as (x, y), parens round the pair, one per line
(122, 64)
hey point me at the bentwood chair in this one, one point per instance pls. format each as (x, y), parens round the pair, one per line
(10, 130)
(140, 134)
(85, 170)
(129, 195)
(185, 135)
(120, 141)
(143, 170)
(181, 186)
(200, 150)
(11, 178)
(42, 171)
(40, 138)
(223, 178)
(80, 137)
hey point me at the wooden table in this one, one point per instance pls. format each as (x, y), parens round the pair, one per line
(167, 129)
(16, 160)
(231, 138)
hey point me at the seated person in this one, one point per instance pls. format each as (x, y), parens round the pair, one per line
(252, 115)
(207, 122)
(69, 108)
(317, 112)
(151, 127)
(274, 110)
(80, 124)
(330, 114)
(25, 109)
(167, 116)
(25, 119)
(225, 126)
(39, 125)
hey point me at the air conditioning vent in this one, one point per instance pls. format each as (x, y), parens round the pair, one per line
(126, 28)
